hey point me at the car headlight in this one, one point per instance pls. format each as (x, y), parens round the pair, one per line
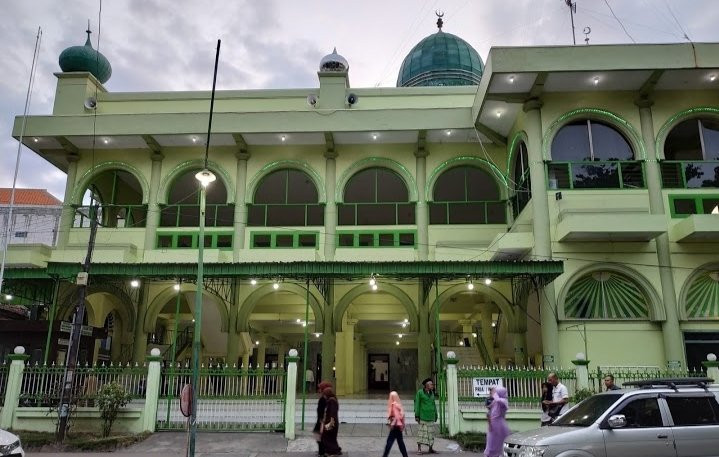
(532, 451)
(8, 448)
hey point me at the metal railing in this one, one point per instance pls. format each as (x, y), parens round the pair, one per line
(624, 374)
(468, 212)
(188, 215)
(289, 214)
(607, 174)
(111, 216)
(379, 213)
(678, 174)
(3, 381)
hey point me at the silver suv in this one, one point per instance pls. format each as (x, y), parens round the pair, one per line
(659, 418)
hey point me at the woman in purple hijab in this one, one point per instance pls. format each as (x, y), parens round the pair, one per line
(497, 424)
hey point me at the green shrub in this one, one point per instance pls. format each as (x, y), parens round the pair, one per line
(110, 398)
(471, 441)
(581, 394)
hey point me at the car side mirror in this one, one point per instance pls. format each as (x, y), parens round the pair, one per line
(617, 421)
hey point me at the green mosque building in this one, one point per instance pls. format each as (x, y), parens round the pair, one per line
(518, 211)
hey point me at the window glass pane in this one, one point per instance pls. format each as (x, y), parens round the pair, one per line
(466, 213)
(208, 241)
(609, 144)
(685, 206)
(308, 240)
(641, 413)
(683, 142)
(693, 410)
(127, 189)
(702, 174)
(437, 213)
(285, 215)
(255, 215)
(261, 241)
(184, 241)
(272, 188)
(346, 214)
(521, 164)
(671, 174)
(189, 216)
(450, 186)
(572, 143)
(496, 213)
(405, 213)
(168, 216)
(390, 187)
(710, 130)
(283, 241)
(366, 239)
(216, 192)
(346, 239)
(603, 176)
(710, 204)
(386, 239)
(558, 176)
(185, 189)
(481, 185)
(225, 216)
(378, 214)
(164, 241)
(632, 175)
(361, 187)
(301, 189)
(315, 215)
(406, 239)
(224, 241)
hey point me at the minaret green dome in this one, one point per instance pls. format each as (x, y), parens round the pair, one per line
(85, 58)
(441, 59)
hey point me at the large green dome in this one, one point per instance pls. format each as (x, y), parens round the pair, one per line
(85, 58)
(441, 59)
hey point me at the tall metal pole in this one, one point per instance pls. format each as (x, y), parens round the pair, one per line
(196, 341)
(304, 359)
(173, 351)
(572, 8)
(51, 320)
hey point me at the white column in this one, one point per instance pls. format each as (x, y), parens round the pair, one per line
(581, 367)
(291, 394)
(67, 216)
(330, 205)
(153, 209)
(452, 395)
(152, 394)
(422, 214)
(240, 206)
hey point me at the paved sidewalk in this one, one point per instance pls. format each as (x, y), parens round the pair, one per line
(357, 440)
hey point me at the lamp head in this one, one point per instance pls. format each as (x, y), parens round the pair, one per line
(205, 177)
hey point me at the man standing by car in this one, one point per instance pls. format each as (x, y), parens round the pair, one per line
(609, 382)
(560, 397)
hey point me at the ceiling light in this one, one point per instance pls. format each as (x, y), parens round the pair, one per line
(205, 177)
(8, 297)
(283, 138)
(176, 287)
(374, 287)
(404, 325)
(36, 139)
(253, 282)
(494, 324)
(596, 80)
(105, 140)
(193, 320)
(374, 136)
(448, 132)
(397, 342)
(317, 335)
(712, 77)
(461, 343)
(470, 286)
(487, 281)
(275, 285)
(299, 320)
(257, 343)
(406, 321)
(474, 335)
(372, 280)
(135, 283)
(400, 335)
(511, 79)
(499, 113)
(194, 139)
(304, 324)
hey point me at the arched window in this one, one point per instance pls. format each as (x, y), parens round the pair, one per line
(691, 151)
(466, 195)
(606, 295)
(703, 296)
(612, 159)
(183, 204)
(118, 195)
(522, 179)
(376, 196)
(286, 198)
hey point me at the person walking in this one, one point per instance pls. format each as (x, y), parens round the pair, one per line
(321, 405)
(395, 421)
(498, 429)
(330, 424)
(425, 413)
(609, 382)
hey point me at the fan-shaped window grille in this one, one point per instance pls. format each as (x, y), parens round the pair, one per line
(703, 297)
(606, 295)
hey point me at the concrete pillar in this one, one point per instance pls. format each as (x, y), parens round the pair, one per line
(328, 336)
(424, 339)
(246, 360)
(422, 207)
(153, 209)
(67, 216)
(330, 205)
(140, 342)
(12, 390)
(540, 221)
(233, 338)
(345, 358)
(466, 329)
(281, 355)
(452, 394)
(712, 367)
(671, 332)
(487, 333)
(519, 339)
(291, 394)
(581, 367)
(240, 206)
(261, 350)
(152, 392)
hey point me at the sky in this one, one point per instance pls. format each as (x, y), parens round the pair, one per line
(164, 45)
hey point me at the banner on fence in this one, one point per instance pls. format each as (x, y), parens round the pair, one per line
(481, 386)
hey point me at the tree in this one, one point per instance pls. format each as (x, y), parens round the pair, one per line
(110, 398)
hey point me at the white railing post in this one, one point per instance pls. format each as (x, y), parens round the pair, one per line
(711, 365)
(581, 367)
(291, 394)
(452, 397)
(152, 391)
(14, 384)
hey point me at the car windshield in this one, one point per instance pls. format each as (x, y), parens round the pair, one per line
(588, 411)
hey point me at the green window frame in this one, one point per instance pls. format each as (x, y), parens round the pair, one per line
(698, 203)
(189, 240)
(284, 240)
(301, 207)
(376, 238)
(356, 211)
(465, 210)
(606, 295)
(113, 209)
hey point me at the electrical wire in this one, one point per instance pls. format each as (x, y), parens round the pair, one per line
(619, 21)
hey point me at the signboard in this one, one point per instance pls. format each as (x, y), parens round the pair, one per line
(66, 327)
(481, 386)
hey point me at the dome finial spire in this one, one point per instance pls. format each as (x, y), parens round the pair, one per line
(440, 22)
(88, 31)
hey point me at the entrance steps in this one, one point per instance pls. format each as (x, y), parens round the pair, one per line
(467, 356)
(356, 410)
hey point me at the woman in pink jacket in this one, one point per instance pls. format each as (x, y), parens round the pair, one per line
(395, 421)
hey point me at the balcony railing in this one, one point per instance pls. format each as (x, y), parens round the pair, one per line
(285, 214)
(468, 212)
(609, 174)
(677, 174)
(188, 215)
(112, 216)
(389, 213)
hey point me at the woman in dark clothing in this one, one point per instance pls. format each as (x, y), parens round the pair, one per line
(548, 414)
(321, 404)
(330, 424)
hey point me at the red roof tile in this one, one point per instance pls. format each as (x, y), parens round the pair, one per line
(39, 197)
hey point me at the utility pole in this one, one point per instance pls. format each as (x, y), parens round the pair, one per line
(572, 9)
(73, 346)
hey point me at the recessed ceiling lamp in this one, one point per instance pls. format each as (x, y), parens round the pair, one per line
(474, 335)
(317, 335)
(253, 282)
(135, 283)
(105, 140)
(257, 343)
(176, 287)
(397, 342)
(487, 281)
(374, 287)
(374, 136)
(511, 79)
(712, 77)
(299, 320)
(275, 285)
(470, 284)
(36, 139)
(499, 113)
(461, 343)
(448, 132)
(283, 138)
(595, 80)
(400, 335)
(406, 321)
(372, 280)
(194, 139)
(404, 325)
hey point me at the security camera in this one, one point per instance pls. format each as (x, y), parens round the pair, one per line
(90, 103)
(312, 99)
(352, 99)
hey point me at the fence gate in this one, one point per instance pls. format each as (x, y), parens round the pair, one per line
(229, 399)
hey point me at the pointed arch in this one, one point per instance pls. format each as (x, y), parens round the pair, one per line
(279, 165)
(381, 162)
(346, 300)
(183, 167)
(245, 311)
(87, 177)
(497, 297)
(161, 299)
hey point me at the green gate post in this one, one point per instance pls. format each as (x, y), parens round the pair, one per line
(14, 383)
(291, 394)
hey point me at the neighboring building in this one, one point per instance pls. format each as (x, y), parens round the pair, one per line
(35, 216)
(528, 213)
